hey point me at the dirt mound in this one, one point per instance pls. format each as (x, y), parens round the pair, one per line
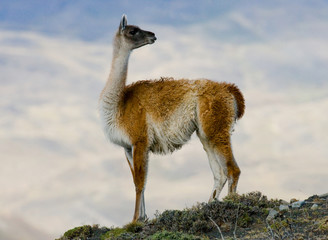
(247, 216)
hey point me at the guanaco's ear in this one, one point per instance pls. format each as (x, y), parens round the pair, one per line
(124, 22)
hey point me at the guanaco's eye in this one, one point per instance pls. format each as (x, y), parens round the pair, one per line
(134, 31)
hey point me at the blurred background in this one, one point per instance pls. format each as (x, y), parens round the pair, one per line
(57, 169)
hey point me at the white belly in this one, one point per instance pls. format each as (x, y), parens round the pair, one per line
(169, 135)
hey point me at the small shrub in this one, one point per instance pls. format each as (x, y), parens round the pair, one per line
(252, 199)
(323, 224)
(134, 227)
(201, 226)
(245, 220)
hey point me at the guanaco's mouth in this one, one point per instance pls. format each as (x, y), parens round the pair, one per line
(151, 40)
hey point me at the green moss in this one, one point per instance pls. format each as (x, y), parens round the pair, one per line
(84, 232)
(166, 235)
(79, 232)
(115, 232)
(127, 232)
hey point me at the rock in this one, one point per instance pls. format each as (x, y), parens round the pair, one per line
(283, 202)
(298, 204)
(314, 206)
(324, 195)
(283, 207)
(272, 214)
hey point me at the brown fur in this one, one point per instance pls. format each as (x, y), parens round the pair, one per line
(160, 97)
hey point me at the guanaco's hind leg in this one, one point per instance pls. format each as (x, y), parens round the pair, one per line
(222, 163)
(220, 177)
(229, 165)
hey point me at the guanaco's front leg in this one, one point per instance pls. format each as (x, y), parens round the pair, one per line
(140, 161)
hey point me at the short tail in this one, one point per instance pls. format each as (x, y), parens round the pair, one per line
(239, 98)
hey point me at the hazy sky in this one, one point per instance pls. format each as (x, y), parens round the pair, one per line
(57, 169)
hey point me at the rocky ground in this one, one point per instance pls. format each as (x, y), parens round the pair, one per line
(248, 216)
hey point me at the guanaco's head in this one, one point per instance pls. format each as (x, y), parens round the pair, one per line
(133, 37)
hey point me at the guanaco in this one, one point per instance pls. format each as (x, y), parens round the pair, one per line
(160, 116)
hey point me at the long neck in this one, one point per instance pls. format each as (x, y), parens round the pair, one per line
(117, 77)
